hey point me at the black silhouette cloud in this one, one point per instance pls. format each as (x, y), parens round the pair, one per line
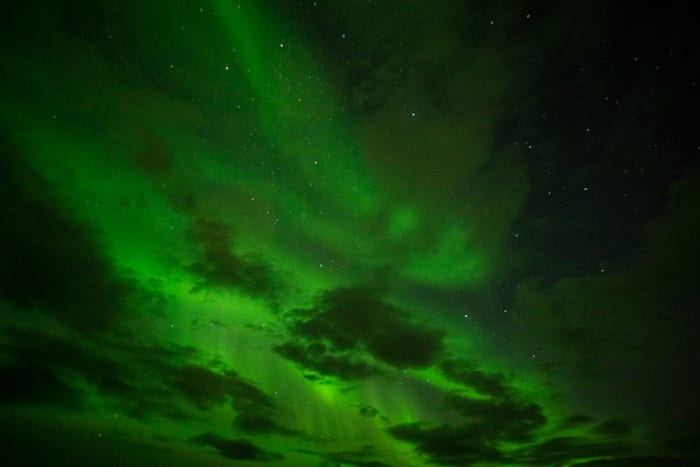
(218, 266)
(236, 449)
(347, 324)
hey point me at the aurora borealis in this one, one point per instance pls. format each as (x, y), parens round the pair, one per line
(349, 233)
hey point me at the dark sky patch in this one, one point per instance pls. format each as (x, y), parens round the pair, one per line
(35, 385)
(599, 325)
(614, 428)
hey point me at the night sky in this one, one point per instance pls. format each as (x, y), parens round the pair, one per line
(349, 233)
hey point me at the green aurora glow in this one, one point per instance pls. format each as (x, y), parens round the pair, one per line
(347, 233)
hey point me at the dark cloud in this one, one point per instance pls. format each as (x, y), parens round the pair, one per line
(510, 420)
(318, 358)
(156, 158)
(563, 450)
(256, 423)
(51, 370)
(501, 415)
(449, 445)
(642, 461)
(112, 371)
(219, 266)
(203, 387)
(611, 451)
(366, 456)
(368, 411)
(110, 368)
(51, 262)
(206, 388)
(469, 375)
(236, 449)
(468, 445)
(477, 439)
(574, 421)
(486, 423)
(349, 321)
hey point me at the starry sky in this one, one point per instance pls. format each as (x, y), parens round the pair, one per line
(349, 233)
